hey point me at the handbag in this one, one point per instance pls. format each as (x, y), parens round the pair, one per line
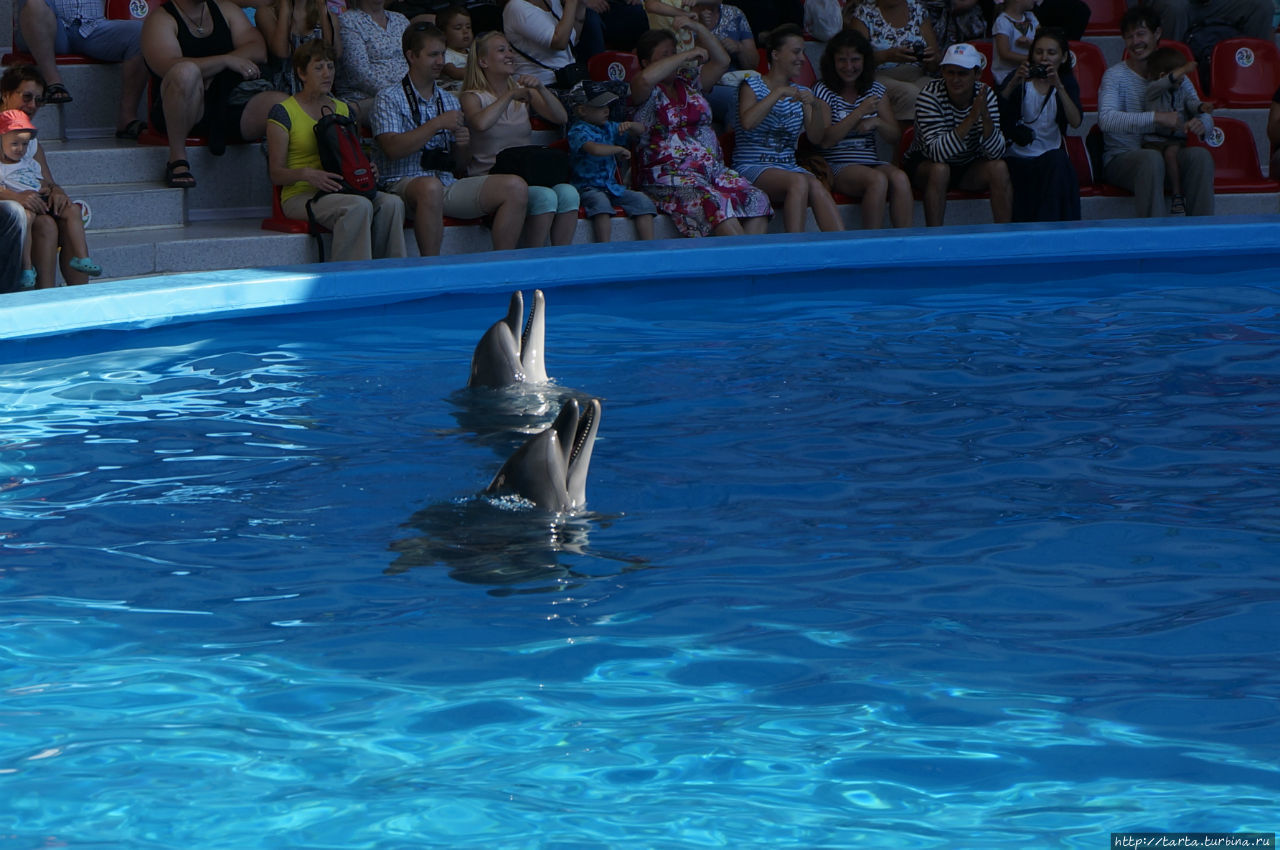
(538, 165)
(570, 75)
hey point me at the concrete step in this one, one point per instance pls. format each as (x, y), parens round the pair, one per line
(130, 205)
(92, 114)
(241, 243)
(196, 247)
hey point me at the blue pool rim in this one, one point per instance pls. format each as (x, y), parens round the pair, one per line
(952, 256)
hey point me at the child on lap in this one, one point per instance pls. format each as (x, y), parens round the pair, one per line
(23, 181)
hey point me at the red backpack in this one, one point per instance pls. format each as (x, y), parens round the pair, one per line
(338, 141)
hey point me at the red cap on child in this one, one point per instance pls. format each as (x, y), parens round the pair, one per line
(15, 119)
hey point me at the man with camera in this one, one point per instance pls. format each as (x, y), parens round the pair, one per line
(958, 143)
(1124, 118)
(422, 145)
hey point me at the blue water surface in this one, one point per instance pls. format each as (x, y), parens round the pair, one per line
(864, 567)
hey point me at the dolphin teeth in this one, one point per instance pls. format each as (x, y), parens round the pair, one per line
(584, 428)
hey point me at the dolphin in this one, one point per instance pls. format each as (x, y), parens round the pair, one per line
(504, 355)
(550, 469)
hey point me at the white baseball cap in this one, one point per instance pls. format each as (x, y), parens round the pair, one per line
(964, 55)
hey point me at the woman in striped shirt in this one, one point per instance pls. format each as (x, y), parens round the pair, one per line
(860, 116)
(772, 113)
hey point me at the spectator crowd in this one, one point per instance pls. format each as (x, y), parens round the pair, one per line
(710, 127)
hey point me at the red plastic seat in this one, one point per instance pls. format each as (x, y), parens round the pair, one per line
(281, 223)
(1080, 162)
(1104, 16)
(613, 65)
(1236, 169)
(806, 78)
(129, 10)
(988, 51)
(1094, 145)
(11, 59)
(1245, 72)
(1089, 67)
(1194, 76)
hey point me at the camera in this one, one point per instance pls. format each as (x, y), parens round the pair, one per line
(1021, 135)
(437, 159)
(1038, 72)
(918, 49)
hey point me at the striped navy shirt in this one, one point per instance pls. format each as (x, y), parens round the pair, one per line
(936, 120)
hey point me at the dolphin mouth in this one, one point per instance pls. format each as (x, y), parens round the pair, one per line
(583, 433)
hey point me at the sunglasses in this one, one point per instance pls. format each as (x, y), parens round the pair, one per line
(28, 97)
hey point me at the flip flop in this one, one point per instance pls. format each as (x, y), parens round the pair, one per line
(174, 180)
(132, 130)
(85, 265)
(56, 94)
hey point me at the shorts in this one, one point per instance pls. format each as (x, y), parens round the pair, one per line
(601, 202)
(561, 198)
(958, 170)
(107, 41)
(461, 197)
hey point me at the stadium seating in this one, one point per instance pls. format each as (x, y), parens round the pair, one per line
(1089, 67)
(987, 49)
(1235, 158)
(613, 65)
(1105, 15)
(1245, 72)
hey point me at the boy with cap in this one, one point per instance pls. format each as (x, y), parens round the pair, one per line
(958, 143)
(22, 181)
(594, 141)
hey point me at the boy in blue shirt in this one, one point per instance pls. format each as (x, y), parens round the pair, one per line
(594, 141)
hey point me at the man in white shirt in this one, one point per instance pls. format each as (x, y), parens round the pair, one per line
(1124, 119)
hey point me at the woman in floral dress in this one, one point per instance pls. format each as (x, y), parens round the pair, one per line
(680, 164)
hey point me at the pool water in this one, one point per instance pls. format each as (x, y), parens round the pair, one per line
(864, 567)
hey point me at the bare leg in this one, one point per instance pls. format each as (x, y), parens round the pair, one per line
(26, 243)
(900, 198)
(44, 251)
(182, 96)
(601, 227)
(825, 212)
(536, 230)
(40, 29)
(563, 226)
(870, 187)
(74, 244)
(644, 226)
(933, 178)
(791, 190)
(993, 176)
(253, 121)
(728, 227)
(506, 197)
(133, 80)
(755, 226)
(425, 198)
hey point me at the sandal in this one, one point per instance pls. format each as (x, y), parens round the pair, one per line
(56, 94)
(28, 279)
(132, 130)
(85, 265)
(179, 180)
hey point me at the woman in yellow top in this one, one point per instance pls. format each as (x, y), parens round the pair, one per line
(362, 229)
